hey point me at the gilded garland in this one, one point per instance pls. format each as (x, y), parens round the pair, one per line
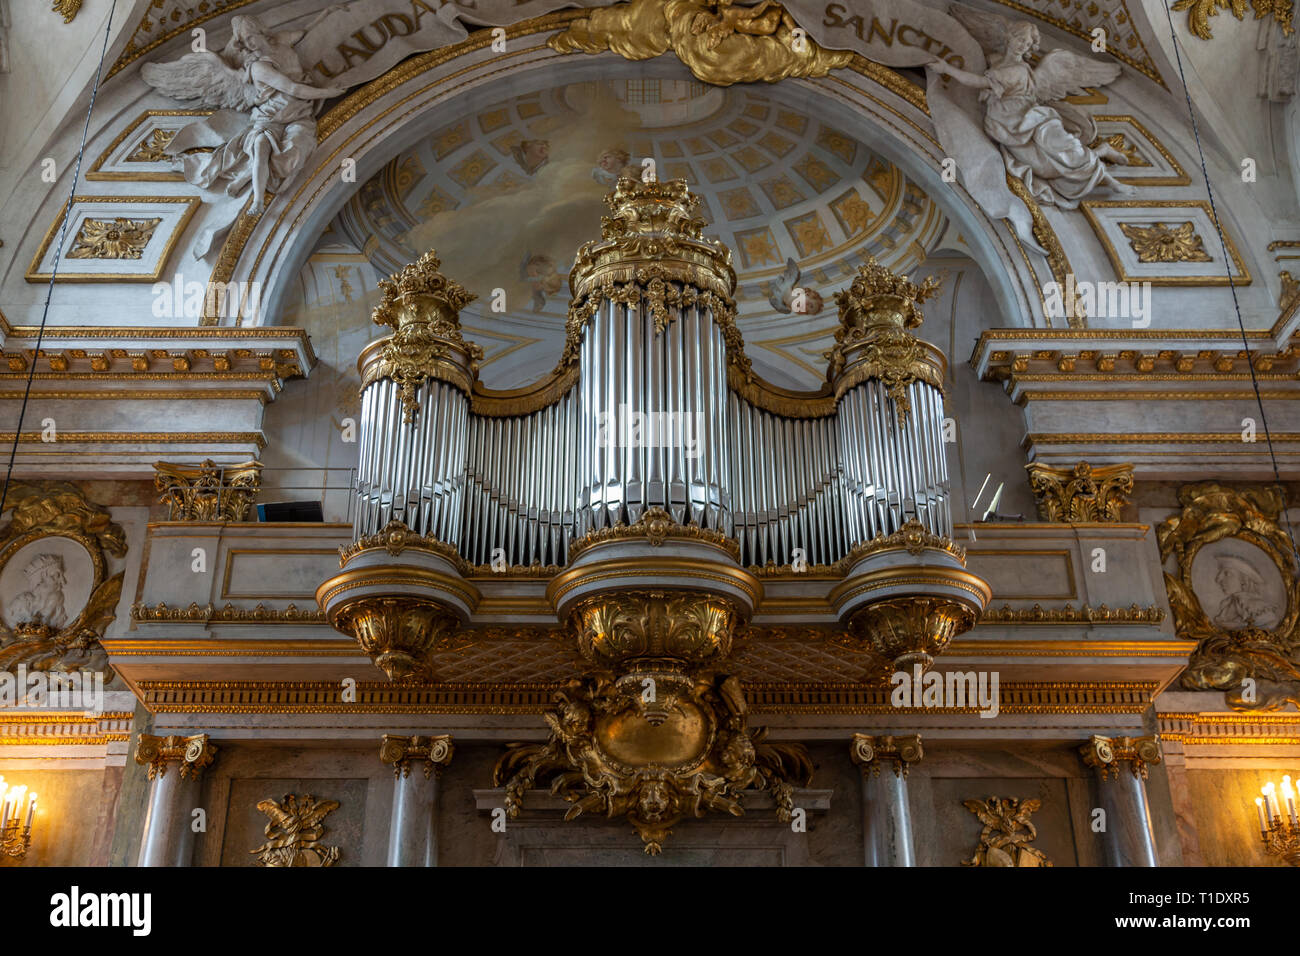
(1234, 590)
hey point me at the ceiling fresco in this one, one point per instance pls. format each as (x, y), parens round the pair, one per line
(508, 194)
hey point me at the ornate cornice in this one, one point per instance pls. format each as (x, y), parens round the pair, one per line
(1133, 614)
(911, 537)
(395, 537)
(227, 614)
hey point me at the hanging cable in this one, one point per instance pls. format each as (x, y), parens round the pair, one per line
(58, 252)
(1232, 286)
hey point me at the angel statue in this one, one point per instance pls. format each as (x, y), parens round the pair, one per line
(1044, 140)
(265, 126)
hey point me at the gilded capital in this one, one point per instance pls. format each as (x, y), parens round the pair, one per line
(1105, 754)
(868, 752)
(208, 491)
(1081, 493)
(402, 752)
(192, 754)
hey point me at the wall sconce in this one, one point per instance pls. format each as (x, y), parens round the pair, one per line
(1278, 825)
(15, 837)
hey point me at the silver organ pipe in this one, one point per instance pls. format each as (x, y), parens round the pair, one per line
(660, 412)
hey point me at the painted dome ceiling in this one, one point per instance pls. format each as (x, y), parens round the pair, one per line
(507, 195)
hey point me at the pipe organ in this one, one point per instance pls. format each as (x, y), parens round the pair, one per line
(650, 478)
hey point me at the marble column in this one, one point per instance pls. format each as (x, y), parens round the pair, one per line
(1121, 766)
(413, 833)
(886, 817)
(175, 764)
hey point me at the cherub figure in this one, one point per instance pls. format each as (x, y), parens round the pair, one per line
(761, 20)
(258, 72)
(1043, 140)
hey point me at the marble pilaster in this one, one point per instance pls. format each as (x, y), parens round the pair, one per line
(886, 815)
(1121, 767)
(175, 764)
(413, 833)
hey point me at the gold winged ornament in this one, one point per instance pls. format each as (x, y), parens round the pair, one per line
(1007, 832)
(295, 831)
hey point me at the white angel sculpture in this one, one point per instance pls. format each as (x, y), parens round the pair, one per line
(265, 126)
(1043, 140)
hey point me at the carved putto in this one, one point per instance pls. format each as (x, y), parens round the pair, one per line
(604, 756)
(1043, 139)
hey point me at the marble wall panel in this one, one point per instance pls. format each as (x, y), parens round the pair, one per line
(1227, 823)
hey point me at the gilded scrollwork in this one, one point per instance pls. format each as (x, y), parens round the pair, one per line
(719, 41)
(1247, 638)
(656, 526)
(604, 757)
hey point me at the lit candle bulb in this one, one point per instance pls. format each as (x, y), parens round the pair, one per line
(1288, 796)
(1263, 821)
(1270, 797)
(15, 804)
(31, 810)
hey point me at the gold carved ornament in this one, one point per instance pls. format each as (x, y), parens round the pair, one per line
(1226, 657)
(190, 754)
(208, 491)
(395, 537)
(1007, 833)
(1105, 754)
(1200, 11)
(603, 758)
(67, 9)
(295, 831)
(422, 306)
(873, 341)
(117, 238)
(655, 526)
(869, 752)
(1160, 243)
(48, 634)
(720, 42)
(433, 753)
(1080, 494)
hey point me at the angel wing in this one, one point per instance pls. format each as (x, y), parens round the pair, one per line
(1026, 808)
(1060, 73)
(318, 812)
(988, 29)
(204, 77)
(277, 814)
(981, 810)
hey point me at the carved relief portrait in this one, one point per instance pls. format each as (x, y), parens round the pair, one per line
(46, 582)
(1238, 585)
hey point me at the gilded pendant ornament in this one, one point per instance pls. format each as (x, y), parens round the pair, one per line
(117, 238)
(61, 542)
(1160, 243)
(1243, 605)
(605, 757)
(1080, 494)
(719, 41)
(293, 837)
(208, 492)
(1007, 833)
